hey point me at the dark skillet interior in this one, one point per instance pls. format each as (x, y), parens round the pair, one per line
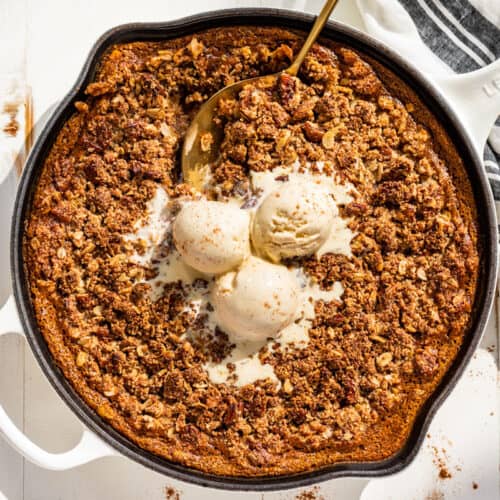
(335, 32)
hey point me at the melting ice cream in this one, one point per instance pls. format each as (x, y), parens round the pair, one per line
(255, 299)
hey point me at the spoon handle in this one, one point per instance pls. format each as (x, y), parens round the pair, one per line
(311, 38)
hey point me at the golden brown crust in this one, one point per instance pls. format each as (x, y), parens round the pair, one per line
(373, 359)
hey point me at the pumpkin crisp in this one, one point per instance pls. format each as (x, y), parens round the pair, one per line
(373, 358)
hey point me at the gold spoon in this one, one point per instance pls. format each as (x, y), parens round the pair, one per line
(204, 137)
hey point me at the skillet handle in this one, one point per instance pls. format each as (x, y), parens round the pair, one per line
(475, 97)
(90, 446)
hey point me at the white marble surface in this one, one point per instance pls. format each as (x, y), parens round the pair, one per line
(464, 437)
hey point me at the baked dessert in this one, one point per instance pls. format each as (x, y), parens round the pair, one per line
(113, 236)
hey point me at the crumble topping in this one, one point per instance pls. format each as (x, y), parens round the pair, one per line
(123, 339)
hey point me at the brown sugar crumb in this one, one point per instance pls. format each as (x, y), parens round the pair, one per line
(12, 126)
(172, 493)
(435, 495)
(444, 473)
(373, 358)
(440, 460)
(311, 494)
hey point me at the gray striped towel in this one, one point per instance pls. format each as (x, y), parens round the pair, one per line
(464, 34)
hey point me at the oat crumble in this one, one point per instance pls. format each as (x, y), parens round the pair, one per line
(373, 358)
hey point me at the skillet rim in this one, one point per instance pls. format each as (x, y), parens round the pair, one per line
(334, 31)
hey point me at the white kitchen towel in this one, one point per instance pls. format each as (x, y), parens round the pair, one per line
(447, 35)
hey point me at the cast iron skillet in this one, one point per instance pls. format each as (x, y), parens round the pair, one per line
(335, 32)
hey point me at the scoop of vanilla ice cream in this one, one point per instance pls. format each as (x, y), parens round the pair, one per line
(257, 301)
(211, 236)
(293, 220)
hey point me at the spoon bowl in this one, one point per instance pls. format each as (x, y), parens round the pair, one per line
(204, 136)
